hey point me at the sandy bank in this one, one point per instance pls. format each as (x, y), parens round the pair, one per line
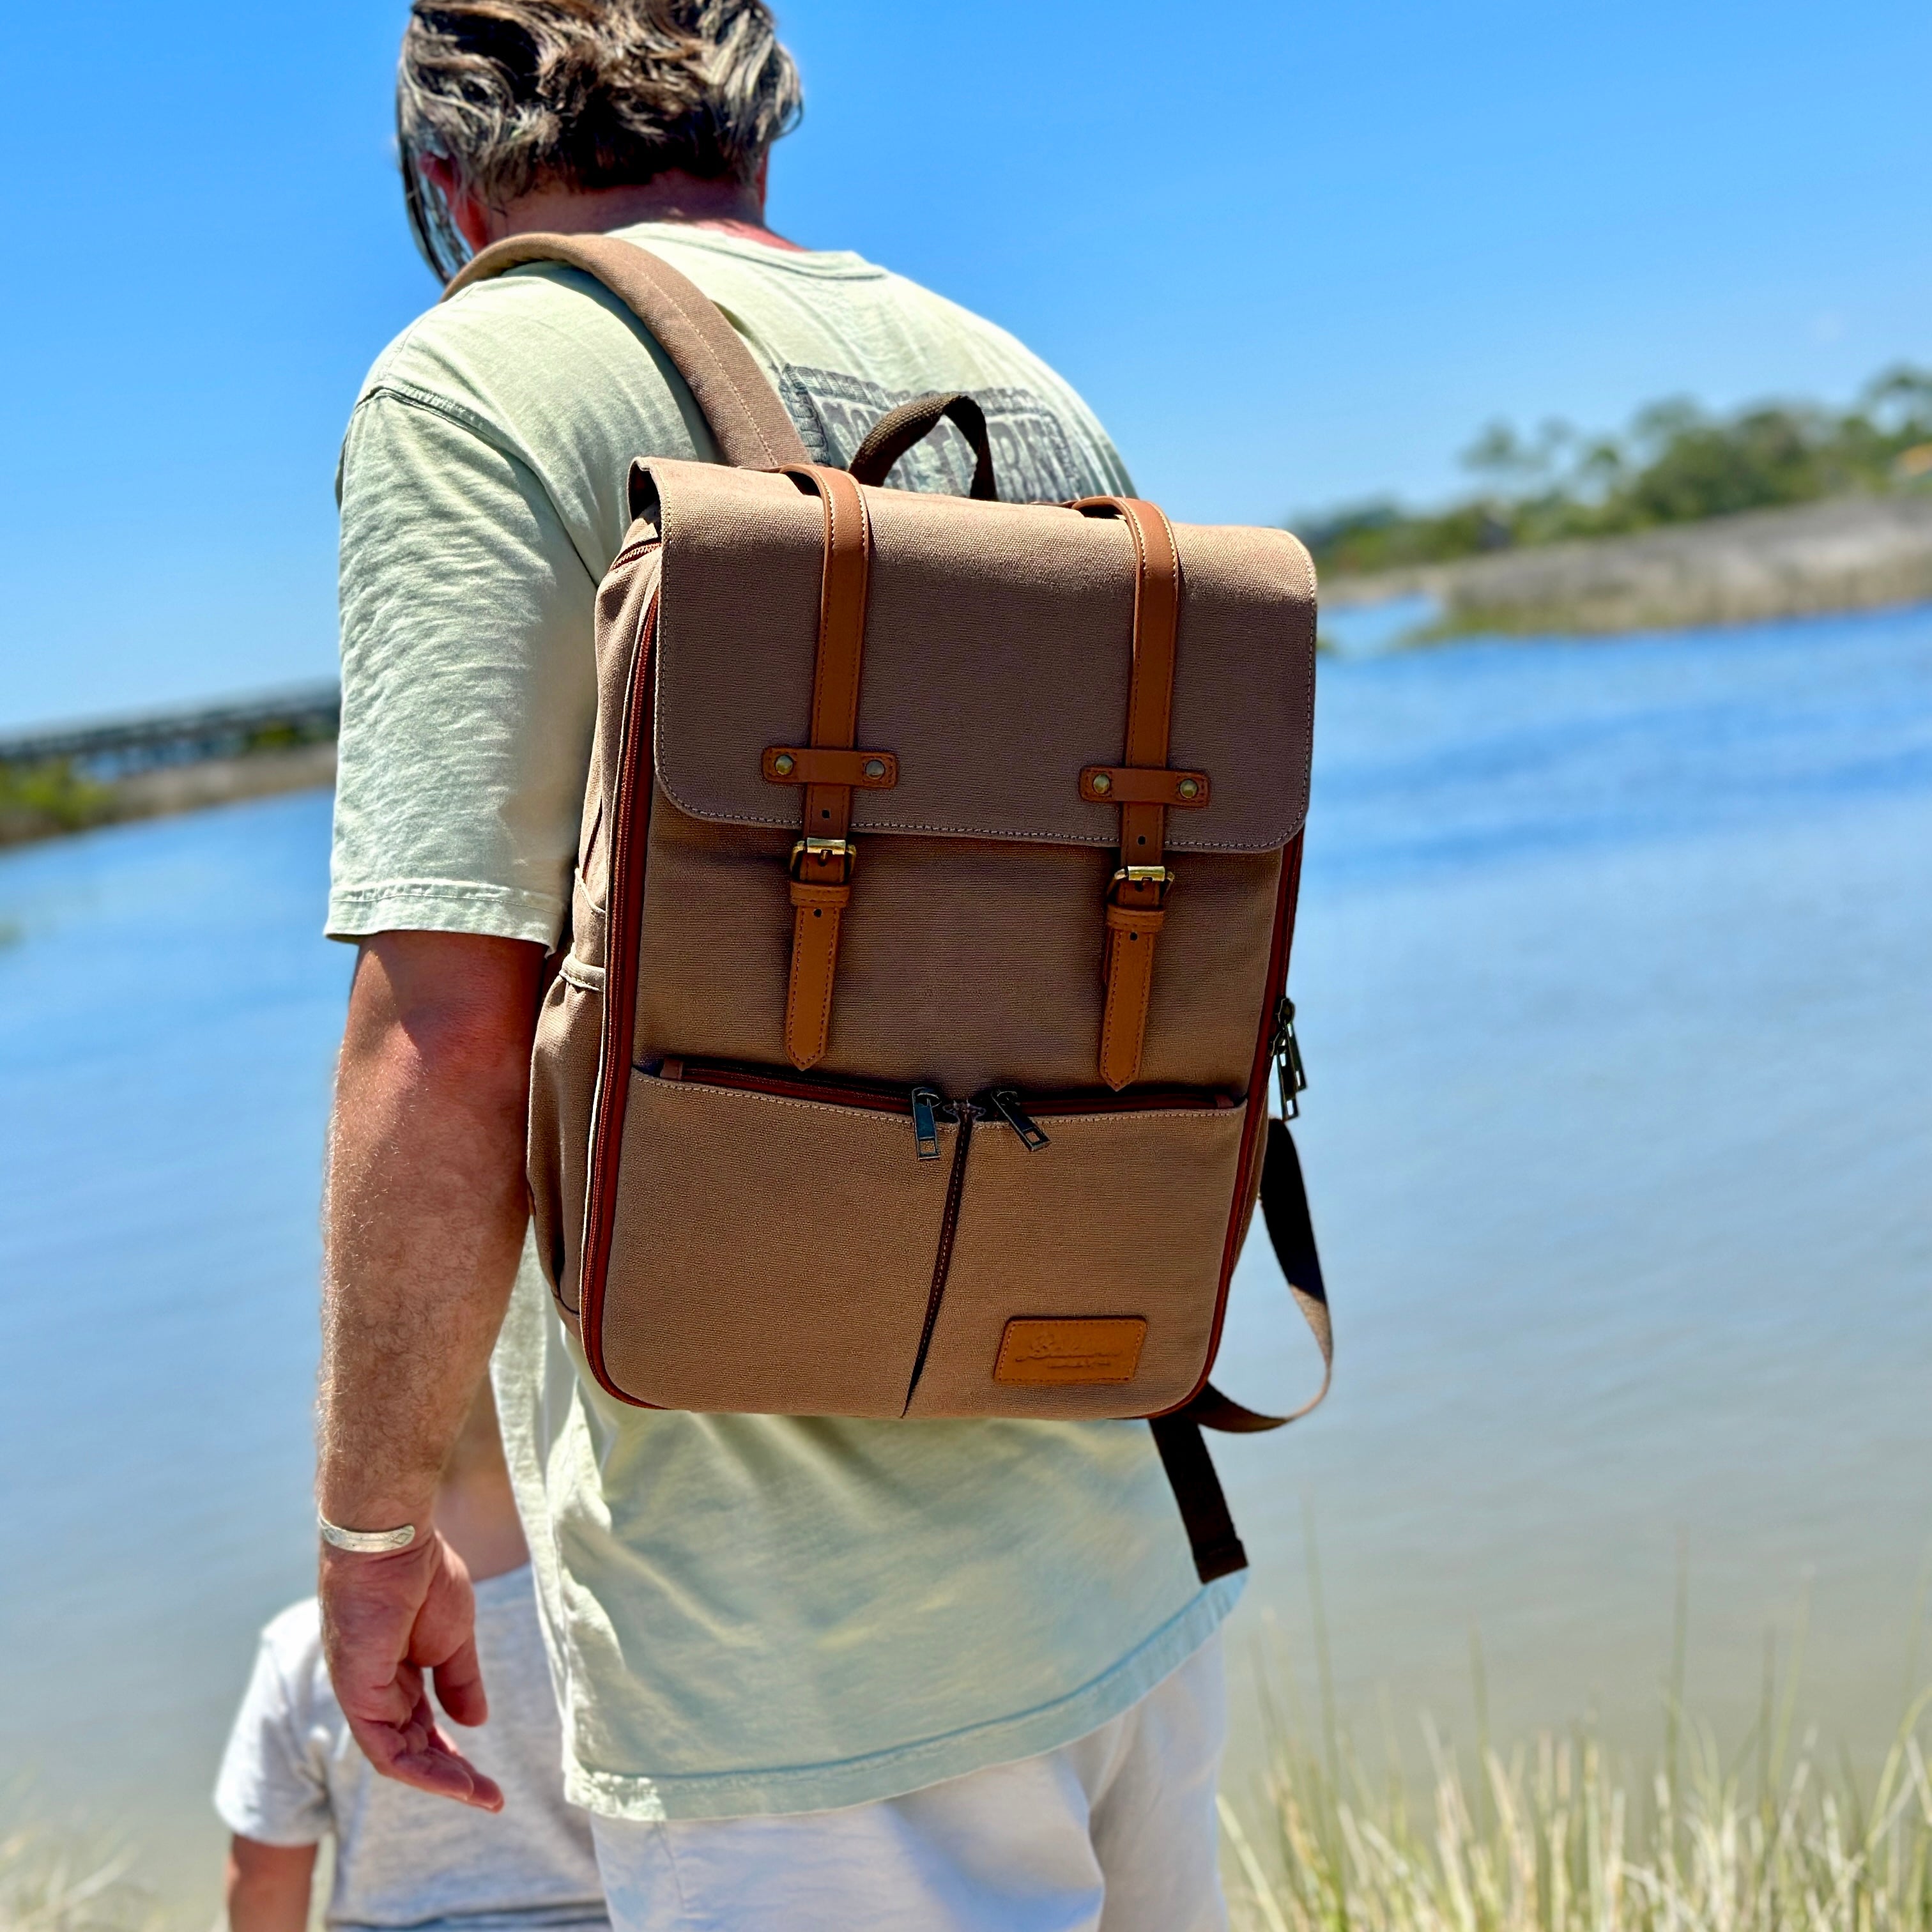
(1853, 554)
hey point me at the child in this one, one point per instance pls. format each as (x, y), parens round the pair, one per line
(292, 1773)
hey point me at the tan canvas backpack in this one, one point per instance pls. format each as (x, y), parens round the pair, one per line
(927, 962)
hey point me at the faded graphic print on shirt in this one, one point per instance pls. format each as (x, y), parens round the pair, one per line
(1033, 461)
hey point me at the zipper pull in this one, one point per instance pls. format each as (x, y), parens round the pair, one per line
(925, 1121)
(1006, 1105)
(1287, 1052)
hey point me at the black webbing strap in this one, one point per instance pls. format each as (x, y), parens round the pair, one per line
(1190, 1469)
(1204, 1509)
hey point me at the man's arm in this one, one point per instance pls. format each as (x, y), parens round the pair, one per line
(424, 1223)
(267, 1886)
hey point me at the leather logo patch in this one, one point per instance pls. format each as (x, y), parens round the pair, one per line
(1071, 1351)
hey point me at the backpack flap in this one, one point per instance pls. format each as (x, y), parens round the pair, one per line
(997, 661)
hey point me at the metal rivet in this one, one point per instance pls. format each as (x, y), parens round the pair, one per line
(1101, 783)
(1189, 789)
(875, 768)
(782, 764)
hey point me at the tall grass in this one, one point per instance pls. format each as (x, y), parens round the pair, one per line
(48, 1886)
(1559, 1835)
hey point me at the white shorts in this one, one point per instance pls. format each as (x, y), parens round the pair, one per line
(1115, 1832)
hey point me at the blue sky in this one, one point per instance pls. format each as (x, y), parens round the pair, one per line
(1293, 255)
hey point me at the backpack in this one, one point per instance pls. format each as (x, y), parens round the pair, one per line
(928, 944)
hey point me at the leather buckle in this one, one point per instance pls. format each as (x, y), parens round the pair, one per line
(809, 851)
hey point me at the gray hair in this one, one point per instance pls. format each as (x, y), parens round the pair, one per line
(514, 94)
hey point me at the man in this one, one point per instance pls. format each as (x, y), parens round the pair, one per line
(812, 1672)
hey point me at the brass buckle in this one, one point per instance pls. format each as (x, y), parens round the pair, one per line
(1162, 876)
(840, 849)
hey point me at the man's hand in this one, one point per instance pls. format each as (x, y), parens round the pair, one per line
(390, 1626)
(426, 1212)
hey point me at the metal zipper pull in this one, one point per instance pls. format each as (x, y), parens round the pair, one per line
(925, 1102)
(1287, 1052)
(1006, 1105)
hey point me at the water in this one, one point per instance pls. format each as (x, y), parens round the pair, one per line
(1613, 981)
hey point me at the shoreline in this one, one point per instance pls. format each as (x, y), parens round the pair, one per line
(165, 791)
(1817, 560)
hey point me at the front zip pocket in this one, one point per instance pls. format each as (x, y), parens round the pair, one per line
(773, 1245)
(808, 1245)
(1082, 1260)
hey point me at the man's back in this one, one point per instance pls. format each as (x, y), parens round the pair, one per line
(753, 1614)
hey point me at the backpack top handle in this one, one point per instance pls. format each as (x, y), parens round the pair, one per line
(747, 420)
(897, 429)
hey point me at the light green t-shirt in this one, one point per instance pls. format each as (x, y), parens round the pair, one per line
(746, 1614)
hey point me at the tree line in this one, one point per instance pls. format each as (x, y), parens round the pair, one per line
(1676, 464)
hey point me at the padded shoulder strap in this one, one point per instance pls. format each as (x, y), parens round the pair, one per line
(748, 420)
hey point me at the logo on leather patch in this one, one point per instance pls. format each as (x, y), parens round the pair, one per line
(1070, 1351)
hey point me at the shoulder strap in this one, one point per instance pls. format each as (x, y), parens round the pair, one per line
(1190, 1470)
(748, 420)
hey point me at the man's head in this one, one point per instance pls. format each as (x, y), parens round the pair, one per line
(496, 99)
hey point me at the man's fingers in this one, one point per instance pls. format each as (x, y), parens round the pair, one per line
(449, 1774)
(392, 1702)
(416, 1752)
(459, 1685)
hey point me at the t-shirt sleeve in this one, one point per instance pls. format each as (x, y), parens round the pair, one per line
(468, 691)
(269, 1788)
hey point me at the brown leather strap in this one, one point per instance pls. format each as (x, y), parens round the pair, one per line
(747, 421)
(1127, 784)
(897, 429)
(814, 764)
(1141, 886)
(823, 860)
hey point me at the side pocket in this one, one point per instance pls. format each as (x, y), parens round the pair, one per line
(563, 1081)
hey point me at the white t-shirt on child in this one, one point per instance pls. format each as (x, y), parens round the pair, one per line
(293, 1775)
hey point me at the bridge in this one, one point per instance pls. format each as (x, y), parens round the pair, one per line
(116, 747)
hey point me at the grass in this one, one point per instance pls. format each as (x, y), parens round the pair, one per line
(38, 800)
(1559, 1835)
(1548, 1838)
(47, 1886)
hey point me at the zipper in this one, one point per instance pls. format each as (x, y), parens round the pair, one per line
(965, 1112)
(1005, 1103)
(926, 1106)
(642, 548)
(926, 1102)
(873, 1097)
(627, 840)
(1285, 1050)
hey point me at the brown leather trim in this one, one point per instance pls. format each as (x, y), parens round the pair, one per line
(1128, 784)
(816, 764)
(817, 911)
(1255, 1125)
(628, 838)
(822, 865)
(1127, 964)
(1141, 885)
(1071, 1351)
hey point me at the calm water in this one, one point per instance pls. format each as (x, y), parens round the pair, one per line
(1614, 978)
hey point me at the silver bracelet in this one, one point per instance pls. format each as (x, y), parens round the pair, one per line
(365, 1542)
